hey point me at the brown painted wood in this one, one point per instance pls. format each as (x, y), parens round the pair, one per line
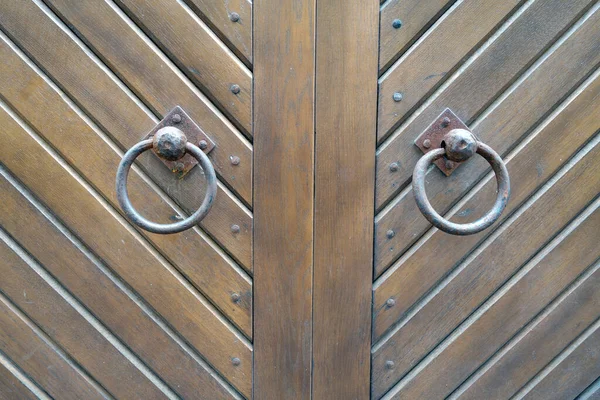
(120, 116)
(129, 255)
(429, 63)
(284, 68)
(204, 58)
(216, 276)
(529, 168)
(545, 339)
(80, 276)
(501, 62)
(69, 330)
(561, 382)
(477, 279)
(147, 71)
(501, 128)
(11, 387)
(48, 369)
(344, 185)
(415, 15)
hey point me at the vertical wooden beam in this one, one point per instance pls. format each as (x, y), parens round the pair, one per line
(284, 68)
(346, 102)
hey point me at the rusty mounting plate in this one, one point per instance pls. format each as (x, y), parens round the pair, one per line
(180, 120)
(435, 133)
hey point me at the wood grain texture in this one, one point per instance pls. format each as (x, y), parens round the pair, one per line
(218, 15)
(158, 82)
(216, 276)
(562, 382)
(415, 16)
(421, 69)
(284, 69)
(82, 277)
(477, 86)
(344, 185)
(126, 253)
(119, 115)
(529, 168)
(198, 52)
(39, 361)
(457, 358)
(526, 355)
(502, 127)
(12, 388)
(69, 330)
(479, 277)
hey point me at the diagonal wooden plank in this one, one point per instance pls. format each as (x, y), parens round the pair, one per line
(69, 330)
(544, 338)
(561, 382)
(109, 301)
(154, 78)
(500, 257)
(502, 127)
(39, 359)
(125, 252)
(197, 50)
(508, 310)
(463, 27)
(529, 167)
(413, 16)
(284, 68)
(118, 112)
(11, 387)
(216, 276)
(232, 21)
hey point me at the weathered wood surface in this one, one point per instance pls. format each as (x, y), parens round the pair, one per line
(101, 294)
(284, 58)
(344, 185)
(458, 317)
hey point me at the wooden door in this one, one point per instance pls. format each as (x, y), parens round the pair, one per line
(314, 274)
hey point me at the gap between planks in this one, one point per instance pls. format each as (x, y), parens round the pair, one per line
(98, 263)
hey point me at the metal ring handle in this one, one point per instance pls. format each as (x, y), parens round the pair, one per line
(135, 217)
(473, 227)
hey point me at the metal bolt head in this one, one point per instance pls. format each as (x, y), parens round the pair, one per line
(390, 302)
(390, 234)
(176, 118)
(235, 228)
(445, 122)
(169, 143)
(236, 361)
(235, 89)
(203, 144)
(427, 143)
(397, 24)
(394, 167)
(389, 364)
(234, 17)
(235, 160)
(460, 145)
(235, 297)
(398, 97)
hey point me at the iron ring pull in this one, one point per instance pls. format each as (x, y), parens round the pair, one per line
(169, 143)
(460, 145)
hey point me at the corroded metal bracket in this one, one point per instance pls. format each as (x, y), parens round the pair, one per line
(179, 119)
(433, 136)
